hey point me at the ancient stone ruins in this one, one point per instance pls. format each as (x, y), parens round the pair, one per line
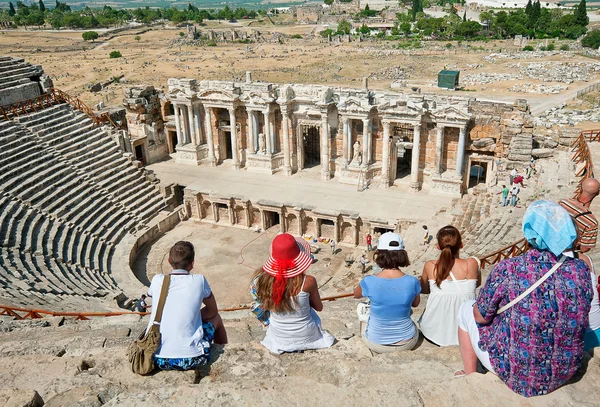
(83, 224)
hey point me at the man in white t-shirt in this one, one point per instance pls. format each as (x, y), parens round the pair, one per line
(514, 192)
(187, 330)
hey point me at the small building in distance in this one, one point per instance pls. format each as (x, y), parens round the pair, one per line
(448, 79)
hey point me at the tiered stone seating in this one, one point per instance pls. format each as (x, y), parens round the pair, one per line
(67, 197)
(15, 71)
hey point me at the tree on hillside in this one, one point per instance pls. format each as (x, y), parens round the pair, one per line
(581, 16)
(328, 2)
(417, 7)
(536, 11)
(42, 6)
(64, 7)
(465, 17)
(405, 27)
(344, 27)
(591, 40)
(528, 8)
(90, 36)
(486, 17)
(11, 9)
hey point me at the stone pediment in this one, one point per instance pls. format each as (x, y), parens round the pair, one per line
(451, 114)
(218, 95)
(354, 105)
(258, 99)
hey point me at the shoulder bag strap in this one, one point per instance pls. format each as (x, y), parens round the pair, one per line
(533, 287)
(478, 263)
(163, 297)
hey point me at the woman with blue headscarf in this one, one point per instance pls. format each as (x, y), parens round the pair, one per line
(528, 322)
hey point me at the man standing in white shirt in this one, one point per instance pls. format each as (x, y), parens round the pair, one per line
(513, 194)
(187, 330)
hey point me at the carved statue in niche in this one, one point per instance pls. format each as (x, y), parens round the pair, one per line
(356, 154)
(262, 146)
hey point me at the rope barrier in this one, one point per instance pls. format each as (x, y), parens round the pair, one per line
(581, 152)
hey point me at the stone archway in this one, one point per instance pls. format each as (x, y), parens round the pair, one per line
(347, 232)
(291, 223)
(206, 209)
(310, 226)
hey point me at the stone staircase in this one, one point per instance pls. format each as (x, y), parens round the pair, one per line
(83, 364)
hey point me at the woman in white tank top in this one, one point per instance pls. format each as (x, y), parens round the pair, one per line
(592, 335)
(449, 281)
(291, 297)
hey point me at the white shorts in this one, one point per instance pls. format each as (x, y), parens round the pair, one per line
(466, 322)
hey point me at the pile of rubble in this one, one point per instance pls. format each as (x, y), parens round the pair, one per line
(393, 73)
(485, 78)
(565, 72)
(492, 58)
(544, 89)
(567, 117)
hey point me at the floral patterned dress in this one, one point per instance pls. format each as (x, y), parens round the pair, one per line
(537, 345)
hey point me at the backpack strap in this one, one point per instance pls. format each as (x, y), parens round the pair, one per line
(533, 287)
(162, 299)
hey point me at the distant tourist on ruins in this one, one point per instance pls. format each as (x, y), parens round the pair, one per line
(504, 193)
(187, 331)
(450, 281)
(513, 174)
(332, 245)
(140, 305)
(369, 240)
(528, 323)
(585, 221)
(291, 297)
(363, 263)
(518, 180)
(392, 293)
(514, 193)
(425, 235)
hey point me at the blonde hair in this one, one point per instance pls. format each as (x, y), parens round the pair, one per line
(264, 291)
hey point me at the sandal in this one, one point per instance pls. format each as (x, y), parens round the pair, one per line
(459, 373)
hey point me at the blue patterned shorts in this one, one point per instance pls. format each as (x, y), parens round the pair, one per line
(190, 363)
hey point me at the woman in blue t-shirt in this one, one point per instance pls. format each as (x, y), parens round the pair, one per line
(392, 293)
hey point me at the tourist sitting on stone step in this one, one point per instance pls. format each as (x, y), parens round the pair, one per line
(592, 334)
(291, 298)
(187, 331)
(528, 323)
(391, 292)
(449, 281)
(579, 209)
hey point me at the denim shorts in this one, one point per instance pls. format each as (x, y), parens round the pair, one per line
(190, 363)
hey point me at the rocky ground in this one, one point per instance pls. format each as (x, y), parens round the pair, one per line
(83, 364)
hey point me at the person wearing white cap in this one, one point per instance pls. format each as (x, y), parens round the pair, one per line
(392, 293)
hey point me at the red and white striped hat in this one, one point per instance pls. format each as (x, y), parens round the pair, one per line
(289, 256)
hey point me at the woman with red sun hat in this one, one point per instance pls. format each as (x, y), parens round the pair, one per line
(291, 297)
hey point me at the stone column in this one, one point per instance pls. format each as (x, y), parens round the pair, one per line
(178, 125)
(267, 131)
(318, 227)
(336, 230)
(366, 143)
(271, 135)
(263, 220)
(234, 139)
(231, 213)
(184, 125)
(209, 136)
(285, 123)
(251, 148)
(460, 154)
(282, 225)
(345, 156)
(197, 125)
(248, 214)
(215, 211)
(385, 159)
(300, 147)
(325, 173)
(350, 146)
(300, 220)
(356, 237)
(416, 152)
(192, 134)
(255, 130)
(439, 150)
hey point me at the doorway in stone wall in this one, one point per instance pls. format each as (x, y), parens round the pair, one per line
(173, 144)
(312, 146)
(271, 219)
(227, 144)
